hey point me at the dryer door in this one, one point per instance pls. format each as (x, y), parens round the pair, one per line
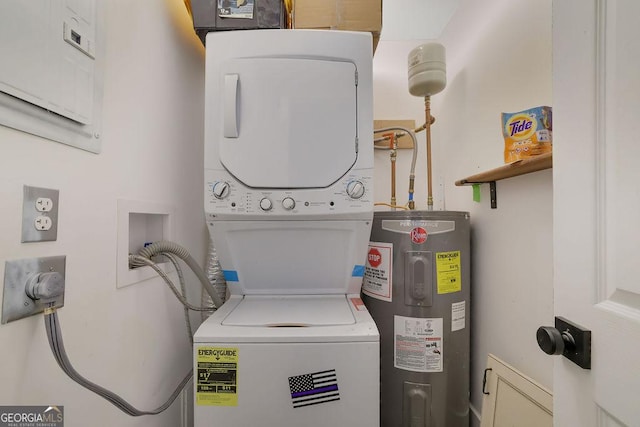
(288, 122)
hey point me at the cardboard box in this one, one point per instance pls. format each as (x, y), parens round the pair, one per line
(349, 15)
(208, 16)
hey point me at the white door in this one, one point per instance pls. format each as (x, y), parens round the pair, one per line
(597, 207)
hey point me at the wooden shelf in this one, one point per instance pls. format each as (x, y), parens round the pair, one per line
(520, 167)
(510, 170)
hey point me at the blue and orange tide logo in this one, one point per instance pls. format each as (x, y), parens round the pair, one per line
(520, 126)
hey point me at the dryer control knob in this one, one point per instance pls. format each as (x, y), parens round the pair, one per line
(355, 189)
(288, 203)
(220, 190)
(265, 204)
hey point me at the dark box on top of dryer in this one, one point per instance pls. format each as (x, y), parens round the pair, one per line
(223, 15)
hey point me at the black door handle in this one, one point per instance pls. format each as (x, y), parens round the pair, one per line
(552, 341)
(566, 338)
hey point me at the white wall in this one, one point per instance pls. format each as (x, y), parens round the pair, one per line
(131, 340)
(499, 60)
(415, 19)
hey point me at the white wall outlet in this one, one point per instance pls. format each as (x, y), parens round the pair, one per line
(43, 223)
(39, 214)
(44, 204)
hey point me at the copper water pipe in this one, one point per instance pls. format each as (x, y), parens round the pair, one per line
(423, 126)
(393, 156)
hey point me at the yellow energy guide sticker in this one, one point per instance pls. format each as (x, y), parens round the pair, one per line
(217, 380)
(448, 272)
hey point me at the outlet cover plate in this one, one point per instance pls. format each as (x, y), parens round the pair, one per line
(16, 304)
(30, 213)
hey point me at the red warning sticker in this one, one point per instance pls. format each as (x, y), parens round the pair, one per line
(374, 257)
(378, 271)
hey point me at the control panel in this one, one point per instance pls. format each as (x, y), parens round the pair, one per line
(224, 195)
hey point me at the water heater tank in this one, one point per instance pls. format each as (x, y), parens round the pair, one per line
(417, 289)
(427, 69)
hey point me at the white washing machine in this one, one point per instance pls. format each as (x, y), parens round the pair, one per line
(289, 205)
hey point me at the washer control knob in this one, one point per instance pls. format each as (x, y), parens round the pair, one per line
(355, 189)
(220, 190)
(265, 204)
(288, 203)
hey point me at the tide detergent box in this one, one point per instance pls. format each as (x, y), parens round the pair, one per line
(527, 133)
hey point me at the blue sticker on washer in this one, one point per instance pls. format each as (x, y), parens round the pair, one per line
(358, 271)
(230, 275)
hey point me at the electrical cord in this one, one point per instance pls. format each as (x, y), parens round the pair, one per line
(54, 335)
(391, 206)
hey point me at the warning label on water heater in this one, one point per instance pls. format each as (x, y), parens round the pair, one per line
(458, 314)
(418, 344)
(378, 271)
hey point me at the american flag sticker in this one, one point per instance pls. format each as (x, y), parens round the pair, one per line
(313, 389)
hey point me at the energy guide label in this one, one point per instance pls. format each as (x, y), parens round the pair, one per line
(217, 376)
(448, 272)
(418, 344)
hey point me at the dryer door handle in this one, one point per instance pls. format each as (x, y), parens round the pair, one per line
(231, 82)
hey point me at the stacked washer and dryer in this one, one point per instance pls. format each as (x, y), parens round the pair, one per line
(289, 206)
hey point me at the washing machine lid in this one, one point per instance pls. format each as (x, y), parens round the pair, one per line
(303, 311)
(288, 122)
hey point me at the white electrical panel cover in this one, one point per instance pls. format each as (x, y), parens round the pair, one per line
(48, 50)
